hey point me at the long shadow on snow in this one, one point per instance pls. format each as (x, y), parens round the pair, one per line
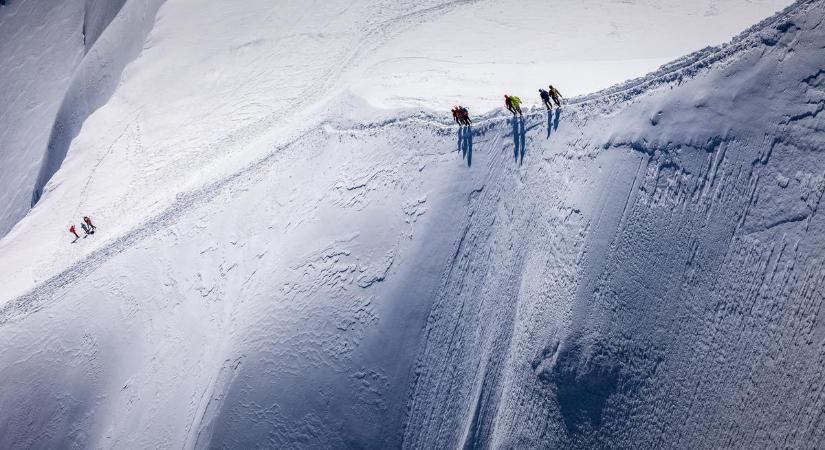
(586, 376)
(519, 137)
(553, 121)
(465, 144)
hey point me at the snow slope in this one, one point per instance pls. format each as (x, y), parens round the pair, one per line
(651, 276)
(642, 270)
(62, 61)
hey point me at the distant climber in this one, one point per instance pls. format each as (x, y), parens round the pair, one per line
(513, 104)
(74, 232)
(556, 95)
(465, 116)
(461, 115)
(88, 222)
(86, 230)
(457, 115)
(545, 98)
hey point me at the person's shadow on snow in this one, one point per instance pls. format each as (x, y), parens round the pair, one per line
(465, 144)
(553, 121)
(519, 145)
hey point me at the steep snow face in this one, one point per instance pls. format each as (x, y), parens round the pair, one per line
(98, 75)
(273, 268)
(55, 77)
(53, 49)
(652, 274)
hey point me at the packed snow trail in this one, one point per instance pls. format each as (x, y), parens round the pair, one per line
(49, 290)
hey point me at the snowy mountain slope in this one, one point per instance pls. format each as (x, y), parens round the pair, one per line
(348, 277)
(189, 111)
(318, 307)
(97, 76)
(655, 277)
(57, 73)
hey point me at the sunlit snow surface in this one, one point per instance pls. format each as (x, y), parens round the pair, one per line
(279, 264)
(474, 53)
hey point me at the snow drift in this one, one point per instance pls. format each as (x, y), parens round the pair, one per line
(642, 269)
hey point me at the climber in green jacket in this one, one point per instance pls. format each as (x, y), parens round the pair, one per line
(556, 95)
(513, 104)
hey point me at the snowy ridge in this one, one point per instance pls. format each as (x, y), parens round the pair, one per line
(661, 302)
(646, 278)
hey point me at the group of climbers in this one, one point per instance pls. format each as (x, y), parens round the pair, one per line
(548, 94)
(513, 104)
(461, 115)
(87, 226)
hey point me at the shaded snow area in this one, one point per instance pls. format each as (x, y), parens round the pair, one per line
(278, 264)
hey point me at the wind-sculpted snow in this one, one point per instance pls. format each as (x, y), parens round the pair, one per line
(642, 269)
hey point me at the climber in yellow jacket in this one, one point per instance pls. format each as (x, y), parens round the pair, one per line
(513, 104)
